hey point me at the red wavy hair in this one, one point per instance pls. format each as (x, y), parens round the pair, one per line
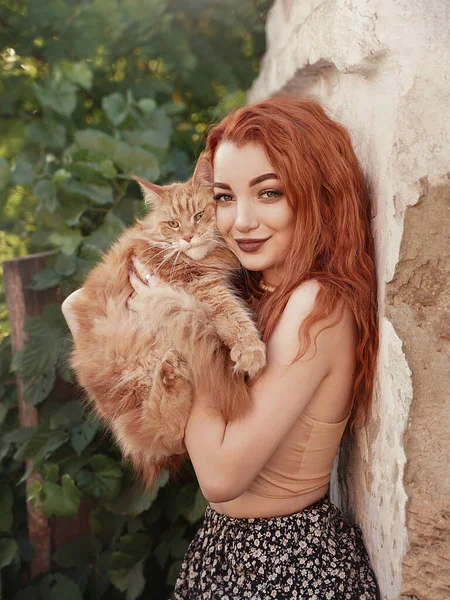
(333, 243)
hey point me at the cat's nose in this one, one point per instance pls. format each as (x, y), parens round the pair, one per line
(188, 238)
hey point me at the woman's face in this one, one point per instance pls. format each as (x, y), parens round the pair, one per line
(252, 211)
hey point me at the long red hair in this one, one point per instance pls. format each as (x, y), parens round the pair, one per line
(333, 243)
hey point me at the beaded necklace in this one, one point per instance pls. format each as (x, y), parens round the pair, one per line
(267, 287)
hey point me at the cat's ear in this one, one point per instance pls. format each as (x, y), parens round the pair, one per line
(150, 190)
(203, 172)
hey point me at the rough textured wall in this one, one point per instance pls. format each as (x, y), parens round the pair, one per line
(383, 69)
(418, 305)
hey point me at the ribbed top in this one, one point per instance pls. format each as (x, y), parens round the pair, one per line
(303, 461)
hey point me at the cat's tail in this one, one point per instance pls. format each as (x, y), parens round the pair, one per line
(192, 332)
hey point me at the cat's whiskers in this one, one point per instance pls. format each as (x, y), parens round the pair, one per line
(154, 255)
(152, 258)
(164, 262)
(173, 266)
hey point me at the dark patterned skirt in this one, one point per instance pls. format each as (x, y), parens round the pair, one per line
(315, 554)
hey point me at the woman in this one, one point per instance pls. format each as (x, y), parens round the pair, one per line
(292, 205)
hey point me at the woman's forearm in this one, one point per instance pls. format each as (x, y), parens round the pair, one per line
(66, 309)
(204, 435)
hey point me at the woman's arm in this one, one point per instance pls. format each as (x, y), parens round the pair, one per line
(66, 308)
(227, 458)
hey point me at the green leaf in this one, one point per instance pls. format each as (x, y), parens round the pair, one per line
(106, 234)
(131, 160)
(37, 390)
(34, 493)
(6, 503)
(82, 435)
(39, 356)
(50, 324)
(66, 240)
(133, 501)
(191, 503)
(174, 570)
(57, 94)
(62, 501)
(61, 175)
(3, 411)
(46, 133)
(104, 480)
(147, 105)
(23, 173)
(5, 173)
(69, 415)
(131, 580)
(79, 553)
(136, 161)
(94, 172)
(45, 193)
(50, 471)
(20, 438)
(55, 586)
(65, 265)
(173, 543)
(44, 442)
(78, 73)
(45, 279)
(8, 550)
(99, 194)
(116, 108)
(151, 138)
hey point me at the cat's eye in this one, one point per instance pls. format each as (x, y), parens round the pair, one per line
(174, 224)
(198, 216)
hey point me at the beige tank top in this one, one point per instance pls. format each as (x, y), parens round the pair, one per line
(303, 461)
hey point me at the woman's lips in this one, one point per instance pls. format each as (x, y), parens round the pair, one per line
(251, 246)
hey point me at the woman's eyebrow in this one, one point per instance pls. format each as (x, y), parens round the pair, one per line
(225, 186)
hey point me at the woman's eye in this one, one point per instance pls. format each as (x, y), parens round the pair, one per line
(174, 224)
(198, 216)
(222, 197)
(269, 194)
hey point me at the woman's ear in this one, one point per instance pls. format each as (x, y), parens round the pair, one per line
(203, 172)
(150, 190)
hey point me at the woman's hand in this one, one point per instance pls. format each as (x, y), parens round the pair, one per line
(142, 291)
(66, 309)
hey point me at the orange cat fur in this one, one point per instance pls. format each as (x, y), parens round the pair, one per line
(141, 368)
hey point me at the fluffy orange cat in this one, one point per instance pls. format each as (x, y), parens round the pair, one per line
(141, 368)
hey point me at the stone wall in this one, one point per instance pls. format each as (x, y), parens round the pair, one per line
(383, 69)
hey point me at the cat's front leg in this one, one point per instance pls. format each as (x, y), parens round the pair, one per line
(235, 327)
(170, 403)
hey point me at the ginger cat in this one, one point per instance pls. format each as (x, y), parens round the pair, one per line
(140, 369)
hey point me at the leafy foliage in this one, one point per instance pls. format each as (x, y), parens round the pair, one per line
(93, 91)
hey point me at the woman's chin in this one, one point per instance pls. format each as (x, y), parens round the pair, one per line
(254, 263)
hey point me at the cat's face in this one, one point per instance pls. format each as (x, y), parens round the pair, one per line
(183, 219)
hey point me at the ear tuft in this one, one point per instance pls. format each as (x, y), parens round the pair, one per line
(150, 190)
(203, 172)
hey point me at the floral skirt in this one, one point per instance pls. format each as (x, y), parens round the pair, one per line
(314, 554)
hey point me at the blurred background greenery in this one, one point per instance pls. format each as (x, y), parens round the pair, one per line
(92, 91)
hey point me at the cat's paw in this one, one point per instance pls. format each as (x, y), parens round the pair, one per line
(174, 370)
(249, 356)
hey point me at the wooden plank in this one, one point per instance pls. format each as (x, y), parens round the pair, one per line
(46, 534)
(22, 302)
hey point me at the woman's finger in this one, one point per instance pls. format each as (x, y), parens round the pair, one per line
(141, 269)
(136, 283)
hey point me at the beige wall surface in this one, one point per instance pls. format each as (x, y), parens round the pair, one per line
(383, 69)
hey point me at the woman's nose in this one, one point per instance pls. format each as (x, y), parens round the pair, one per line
(245, 218)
